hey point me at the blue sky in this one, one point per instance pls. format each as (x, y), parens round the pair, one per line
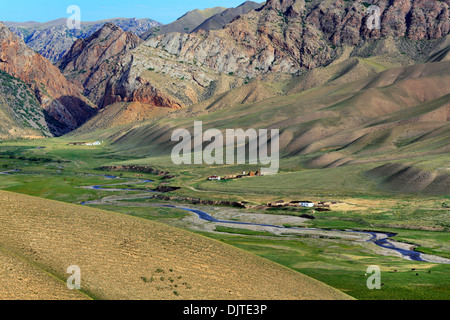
(164, 11)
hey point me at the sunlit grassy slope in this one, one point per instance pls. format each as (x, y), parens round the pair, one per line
(123, 257)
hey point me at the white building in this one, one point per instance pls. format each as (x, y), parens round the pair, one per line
(96, 143)
(307, 204)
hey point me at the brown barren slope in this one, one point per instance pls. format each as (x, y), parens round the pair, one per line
(123, 257)
(19, 280)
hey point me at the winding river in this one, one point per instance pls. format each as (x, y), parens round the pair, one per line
(379, 238)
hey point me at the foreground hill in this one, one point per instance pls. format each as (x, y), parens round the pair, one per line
(53, 39)
(20, 280)
(122, 257)
(65, 106)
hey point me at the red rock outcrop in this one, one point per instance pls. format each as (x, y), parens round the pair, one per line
(94, 61)
(284, 36)
(291, 35)
(91, 62)
(62, 100)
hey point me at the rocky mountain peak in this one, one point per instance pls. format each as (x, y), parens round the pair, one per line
(90, 62)
(107, 28)
(106, 43)
(283, 5)
(282, 37)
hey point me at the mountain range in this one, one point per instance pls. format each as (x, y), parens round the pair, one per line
(340, 92)
(208, 19)
(281, 39)
(53, 39)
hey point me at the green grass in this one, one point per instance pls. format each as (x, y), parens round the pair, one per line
(415, 218)
(154, 214)
(343, 266)
(338, 181)
(57, 171)
(243, 231)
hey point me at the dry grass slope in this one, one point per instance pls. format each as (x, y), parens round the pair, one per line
(122, 257)
(20, 280)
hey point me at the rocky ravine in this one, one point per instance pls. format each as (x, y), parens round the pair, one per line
(63, 102)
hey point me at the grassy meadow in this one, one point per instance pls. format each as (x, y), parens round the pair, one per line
(53, 170)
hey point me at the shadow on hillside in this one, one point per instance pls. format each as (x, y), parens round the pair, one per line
(67, 113)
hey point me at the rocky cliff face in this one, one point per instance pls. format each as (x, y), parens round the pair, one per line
(112, 66)
(293, 35)
(283, 37)
(53, 39)
(62, 101)
(91, 62)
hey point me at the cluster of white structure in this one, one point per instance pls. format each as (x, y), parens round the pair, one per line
(96, 143)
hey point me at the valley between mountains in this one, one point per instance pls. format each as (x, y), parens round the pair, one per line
(87, 175)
